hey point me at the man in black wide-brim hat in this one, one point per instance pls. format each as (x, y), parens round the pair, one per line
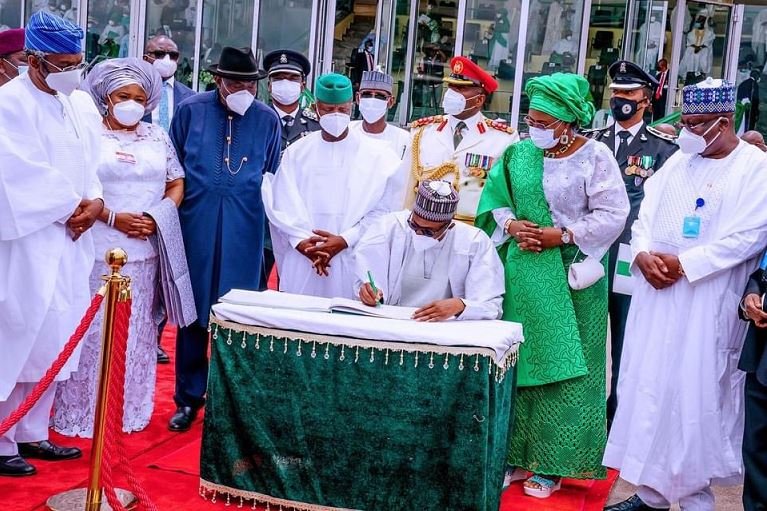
(226, 140)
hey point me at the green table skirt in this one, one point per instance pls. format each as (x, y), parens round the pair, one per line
(312, 422)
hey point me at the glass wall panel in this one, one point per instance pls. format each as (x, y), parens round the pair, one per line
(284, 24)
(224, 23)
(553, 35)
(751, 63)
(490, 39)
(10, 14)
(704, 42)
(175, 19)
(435, 40)
(398, 50)
(603, 47)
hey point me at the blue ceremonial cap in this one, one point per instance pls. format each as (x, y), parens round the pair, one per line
(709, 97)
(49, 33)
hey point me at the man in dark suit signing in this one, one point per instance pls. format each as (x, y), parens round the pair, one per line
(162, 52)
(753, 361)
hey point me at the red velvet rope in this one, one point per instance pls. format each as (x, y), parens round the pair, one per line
(32, 399)
(114, 454)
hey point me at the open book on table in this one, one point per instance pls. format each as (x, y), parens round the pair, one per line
(277, 300)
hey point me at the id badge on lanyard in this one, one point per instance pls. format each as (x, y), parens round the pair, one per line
(691, 223)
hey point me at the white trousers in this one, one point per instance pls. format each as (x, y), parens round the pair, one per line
(31, 428)
(702, 500)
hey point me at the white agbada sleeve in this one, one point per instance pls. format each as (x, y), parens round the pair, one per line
(373, 254)
(641, 239)
(283, 204)
(746, 225)
(485, 284)
(33, 195)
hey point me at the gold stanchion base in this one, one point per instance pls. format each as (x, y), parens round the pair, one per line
(74, 500)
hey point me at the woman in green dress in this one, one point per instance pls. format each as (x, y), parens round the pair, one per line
(551, 201)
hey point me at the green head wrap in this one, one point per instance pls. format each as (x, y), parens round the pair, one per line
(333, 89)
(564, 96)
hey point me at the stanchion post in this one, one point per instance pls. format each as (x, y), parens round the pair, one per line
(116, 283)
(90, 498)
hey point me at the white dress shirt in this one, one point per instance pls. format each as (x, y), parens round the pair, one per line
(632, 130)
(282, 113)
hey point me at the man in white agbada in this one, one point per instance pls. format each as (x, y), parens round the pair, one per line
(326, 191)
(375, 99)
(424, 259)
(49, 199)
(701, 228)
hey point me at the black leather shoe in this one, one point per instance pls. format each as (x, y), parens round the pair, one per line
(162, 357)
(46, 450)
(633, 503)
(182, 419)
(15, 466)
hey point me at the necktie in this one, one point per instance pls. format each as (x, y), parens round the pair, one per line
(622, 154)
(371, 62)
(287, 121)
(458, 134)
(164, 112)
(661, 84)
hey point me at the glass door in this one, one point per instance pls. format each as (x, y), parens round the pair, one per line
(701, 35)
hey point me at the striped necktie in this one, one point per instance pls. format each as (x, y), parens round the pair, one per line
(164, 111)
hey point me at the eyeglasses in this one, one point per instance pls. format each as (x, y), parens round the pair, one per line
(76, 67)
(425, 231)
(376, 95)
(159, 54)
(532, 123)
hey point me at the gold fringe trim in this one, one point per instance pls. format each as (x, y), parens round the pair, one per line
(271, 503)
(395, 349)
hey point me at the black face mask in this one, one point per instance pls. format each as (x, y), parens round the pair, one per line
(623, 109)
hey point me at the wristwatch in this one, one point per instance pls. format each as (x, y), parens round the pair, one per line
(566, 238)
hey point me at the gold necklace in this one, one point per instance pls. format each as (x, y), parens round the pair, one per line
(244, 159)
(562, 150)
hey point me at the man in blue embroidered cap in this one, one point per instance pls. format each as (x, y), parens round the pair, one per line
(700, 233)
(50, 137)
(375, 99)
(422, 258)
(329, 187)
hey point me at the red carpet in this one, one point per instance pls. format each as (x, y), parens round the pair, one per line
(167, 464)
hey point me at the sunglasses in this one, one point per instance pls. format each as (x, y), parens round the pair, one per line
(159, 54)
(425, 231)
(375, 95)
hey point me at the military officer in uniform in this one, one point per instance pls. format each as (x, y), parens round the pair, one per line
(640, 151)
(287, 70)
(461, 145)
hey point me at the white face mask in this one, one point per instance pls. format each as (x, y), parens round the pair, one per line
(165, 66)
(453, 103)
(335, 124)
(286, 92)
(373, 109)
(423, 243)
(543, 138)
(692, 143)
(128, 113)
(65, 82)
(22, 70)
(239, 102)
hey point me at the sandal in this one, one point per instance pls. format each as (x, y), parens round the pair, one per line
(513, 474)
(541, 487)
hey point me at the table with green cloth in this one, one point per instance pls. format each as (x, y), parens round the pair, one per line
(301, 417)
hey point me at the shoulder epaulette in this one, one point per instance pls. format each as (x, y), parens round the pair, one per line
(425, 121)
(309, 113)
(657, 133)
(499, 125)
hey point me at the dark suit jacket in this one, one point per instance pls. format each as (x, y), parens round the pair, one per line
(180, 93)
(306, 122)
(647, 142)
(753, 359)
